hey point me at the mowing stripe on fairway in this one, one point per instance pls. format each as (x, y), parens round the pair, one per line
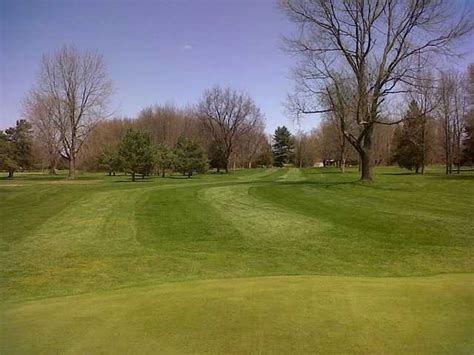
(257, 219)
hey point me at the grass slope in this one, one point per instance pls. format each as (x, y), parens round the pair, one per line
(305, 314)
(102, 265)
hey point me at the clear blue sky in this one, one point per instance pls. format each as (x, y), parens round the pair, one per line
(156, 51)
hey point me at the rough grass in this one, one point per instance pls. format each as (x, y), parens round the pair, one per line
(104, 265)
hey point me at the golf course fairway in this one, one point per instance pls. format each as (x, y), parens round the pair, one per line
(256, 261)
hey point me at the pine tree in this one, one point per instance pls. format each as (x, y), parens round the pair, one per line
(164, 158)
(217, 156)
(190, 157)
(137, 152)
(7, 160)
(468, 142)
(110, 160)
(283, 146)
(409, 152)
(16, 147)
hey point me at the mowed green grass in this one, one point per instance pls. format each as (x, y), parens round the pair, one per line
(257, 261)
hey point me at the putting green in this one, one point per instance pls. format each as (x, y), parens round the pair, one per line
(294, 314)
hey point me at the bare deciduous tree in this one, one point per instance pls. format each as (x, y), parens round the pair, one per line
(372, 44)
(38, 110)
(78, 90)
(248, 146)
(307, 150)
(451, 111)
(227, 115)
(423, 93)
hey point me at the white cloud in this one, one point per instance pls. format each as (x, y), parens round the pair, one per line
(186, 47)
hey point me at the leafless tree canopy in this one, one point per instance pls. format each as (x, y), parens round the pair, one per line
(38, 110)
(227, 115)
(452, 110)
(78, 90)
(375, 45)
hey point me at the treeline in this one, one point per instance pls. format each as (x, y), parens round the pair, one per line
(358, 63)
(167, 138)
(374, 113)
(226, 124)
(436, 128)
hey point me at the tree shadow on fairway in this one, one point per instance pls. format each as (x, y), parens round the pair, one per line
(139, 180)
(181, 177)
(47, 178)
(32, 178)
(460, 177)
(464, 175)
(312, 184)
(400, 174)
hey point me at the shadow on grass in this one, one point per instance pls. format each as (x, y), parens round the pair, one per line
(312, 184)
(138, 181)
(400, 174)
(46, 178)
(156, 178)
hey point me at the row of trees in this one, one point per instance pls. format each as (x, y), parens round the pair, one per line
(159, 134)
(68, 108)
(355, 59)
(436, 128)
(438, 123)
(137, 154)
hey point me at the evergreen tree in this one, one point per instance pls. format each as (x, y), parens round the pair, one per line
(409, 151)
(137, 153)
(217, 157)
(283, 146)
(190, 157)
(164, 158)
(16, 147)
(110, 160)
(7, 156)
(468, 143)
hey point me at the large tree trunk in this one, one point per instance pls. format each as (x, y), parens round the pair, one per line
(343, 155)
(458, 154)
(423, 146)
(133, 176)
(365, 153)
(53, 161)
(10, 174)
(72, 153)
(72, 167)
(447, 145)
(366, 166)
